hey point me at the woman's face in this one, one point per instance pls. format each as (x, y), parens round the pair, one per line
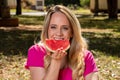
(59, 27)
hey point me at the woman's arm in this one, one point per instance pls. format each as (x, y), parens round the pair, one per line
(92, 76)
(56, 63)
(38, 73)
(53, 70)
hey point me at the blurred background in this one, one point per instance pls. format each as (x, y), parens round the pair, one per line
(21, 22)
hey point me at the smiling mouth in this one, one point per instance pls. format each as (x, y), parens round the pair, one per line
(56, 38)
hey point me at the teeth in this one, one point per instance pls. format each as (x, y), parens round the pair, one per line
(58, 38)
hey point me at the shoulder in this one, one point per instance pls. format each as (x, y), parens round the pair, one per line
(88, 54)
(35, 56)
(37, 48)
(89, 58)
(36, 51)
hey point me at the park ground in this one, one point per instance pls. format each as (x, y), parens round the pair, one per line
(103, 37)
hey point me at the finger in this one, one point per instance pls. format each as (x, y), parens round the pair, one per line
(59, 54)
(48, 53)
(55, 54)
(63, 53)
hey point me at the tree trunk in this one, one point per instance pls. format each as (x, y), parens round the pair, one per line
(112, 9)
(4, 9)
(18, 8)
(96, 8)
(0, 8)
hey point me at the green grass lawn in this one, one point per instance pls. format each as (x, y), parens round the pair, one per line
(103, 37)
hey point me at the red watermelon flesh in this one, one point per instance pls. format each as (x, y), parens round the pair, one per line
(53, 45)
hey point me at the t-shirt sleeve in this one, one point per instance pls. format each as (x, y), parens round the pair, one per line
(35, 57)
(90, 65)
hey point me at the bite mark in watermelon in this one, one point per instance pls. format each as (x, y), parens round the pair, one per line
(53, 45)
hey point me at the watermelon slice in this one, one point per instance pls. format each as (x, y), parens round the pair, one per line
(53, 45)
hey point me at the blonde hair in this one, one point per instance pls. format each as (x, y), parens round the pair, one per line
(75, 56)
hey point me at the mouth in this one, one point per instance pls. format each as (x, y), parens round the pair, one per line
(56, 38)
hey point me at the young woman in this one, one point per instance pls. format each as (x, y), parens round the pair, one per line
(77, 63)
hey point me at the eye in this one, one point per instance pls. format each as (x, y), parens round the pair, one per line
(65, 27)
(53, 26)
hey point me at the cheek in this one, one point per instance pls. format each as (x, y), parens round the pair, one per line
(68, 34)
(50, 33)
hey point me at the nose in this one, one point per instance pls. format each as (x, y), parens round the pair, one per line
(59, 32)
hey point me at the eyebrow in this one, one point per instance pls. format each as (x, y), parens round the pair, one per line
(56, 25)
(66, 25)
(53, 25)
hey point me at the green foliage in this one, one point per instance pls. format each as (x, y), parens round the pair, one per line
(49, 2)
(64, 2)
(85, 3)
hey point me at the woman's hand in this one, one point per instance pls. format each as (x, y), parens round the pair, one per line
(58, 54)
(57, 59)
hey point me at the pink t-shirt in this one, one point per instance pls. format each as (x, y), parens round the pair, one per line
(36, 55)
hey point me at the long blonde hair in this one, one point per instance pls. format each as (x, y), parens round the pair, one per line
(75, 55)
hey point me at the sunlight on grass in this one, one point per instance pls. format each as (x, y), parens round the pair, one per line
(100, 18)
(30, 20)
(82, 11)
(24, 10)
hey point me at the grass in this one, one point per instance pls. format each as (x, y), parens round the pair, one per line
(30, 20)
(24, 10)
(103, 37)
(108, 66)
(11, 67)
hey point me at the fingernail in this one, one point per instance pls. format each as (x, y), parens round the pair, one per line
(61, 48)
(58, 49)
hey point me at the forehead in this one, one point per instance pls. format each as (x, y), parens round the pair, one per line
(59, 17)
(58, 13)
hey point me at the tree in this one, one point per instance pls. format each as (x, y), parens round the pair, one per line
(4, 9)
(5, 15)
(96, 8)
(77, 2)
(64, 2)
(18, 8)
(112, 9)
(0, 8)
